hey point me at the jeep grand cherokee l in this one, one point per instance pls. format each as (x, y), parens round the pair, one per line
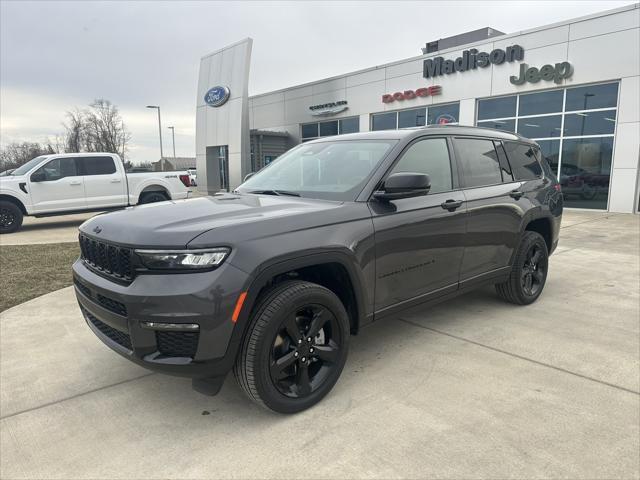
(272, 279)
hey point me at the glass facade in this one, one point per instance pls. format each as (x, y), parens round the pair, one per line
(311, 131)
(575, 130)
(416, 117)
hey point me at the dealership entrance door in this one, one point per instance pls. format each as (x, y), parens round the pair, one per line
(217, 169)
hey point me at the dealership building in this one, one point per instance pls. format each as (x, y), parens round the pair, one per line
(572, 86)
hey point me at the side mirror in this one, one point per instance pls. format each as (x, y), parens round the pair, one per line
(403, 185)
(248, 176)
(38, 176)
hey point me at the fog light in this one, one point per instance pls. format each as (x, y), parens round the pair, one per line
(170, 326)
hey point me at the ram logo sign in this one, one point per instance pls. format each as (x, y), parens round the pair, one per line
(217, 96)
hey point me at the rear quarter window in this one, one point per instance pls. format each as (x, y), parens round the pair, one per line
(523, 160)
(98, 165)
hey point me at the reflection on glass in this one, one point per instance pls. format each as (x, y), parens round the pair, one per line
(328, 128)
(540, 127)
(350, 125)
(383, 121)
(443, 114)
(551, 151)
(497, 108)
(310, 130)
(412, 118)
(543, 102)
(590, 123)
(585, 170)
(506, 125)
(593, 96)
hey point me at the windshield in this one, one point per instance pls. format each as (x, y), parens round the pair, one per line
(334, 170)
(28, 166)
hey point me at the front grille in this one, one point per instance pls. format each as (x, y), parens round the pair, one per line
(106, 258)
(117, 336)
(177, 344)
(112, 305)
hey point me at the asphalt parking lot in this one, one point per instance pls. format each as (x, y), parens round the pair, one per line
(473, 388)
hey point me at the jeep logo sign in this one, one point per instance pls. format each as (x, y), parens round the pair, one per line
(556, 72)
(217, 96)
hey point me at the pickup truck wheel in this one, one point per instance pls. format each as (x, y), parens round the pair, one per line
(152, 197)
(10, 217)
(529, 271)
(295, 348)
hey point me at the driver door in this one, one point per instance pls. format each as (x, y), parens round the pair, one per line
(420, 240)
(57, 186)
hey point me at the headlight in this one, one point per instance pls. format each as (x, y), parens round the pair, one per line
(183, 259)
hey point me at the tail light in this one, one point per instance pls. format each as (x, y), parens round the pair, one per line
(185, 180)
(557, 187)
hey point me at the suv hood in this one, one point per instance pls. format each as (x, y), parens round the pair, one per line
(174, 224)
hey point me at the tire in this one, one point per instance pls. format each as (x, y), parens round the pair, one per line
(275, 336)
(10, 217)
(153, 197)
(528, 273)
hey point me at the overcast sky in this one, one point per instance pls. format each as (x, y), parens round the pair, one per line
(55, 56)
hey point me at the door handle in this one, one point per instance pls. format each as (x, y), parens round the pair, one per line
(451, 205)
(76, 182)
(115, 180)
(516, 194)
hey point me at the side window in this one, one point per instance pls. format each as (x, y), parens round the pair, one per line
(479, 162)
(430, 156)
(58, 168)
(507, 175)
(523, 161)
(98, 165)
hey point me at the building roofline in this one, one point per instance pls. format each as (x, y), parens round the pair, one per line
(603, 13)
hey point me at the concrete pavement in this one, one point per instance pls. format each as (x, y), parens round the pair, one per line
(473, 388)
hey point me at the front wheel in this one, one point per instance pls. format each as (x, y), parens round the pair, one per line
(528, 273)
(295, 348)
(10, 217)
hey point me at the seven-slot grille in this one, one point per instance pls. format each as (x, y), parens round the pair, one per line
(106, 258)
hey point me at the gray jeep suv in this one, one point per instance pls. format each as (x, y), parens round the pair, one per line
(272, 279)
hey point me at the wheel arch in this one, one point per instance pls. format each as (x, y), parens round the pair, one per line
(15, 201)
(154, 188)
(542, 225)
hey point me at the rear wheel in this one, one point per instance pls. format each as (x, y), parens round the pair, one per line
(295, 348)
(529, 271)
(10, 217)
(152, 197)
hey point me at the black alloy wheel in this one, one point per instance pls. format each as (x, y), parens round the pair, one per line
(528, 273)
(10, 217)
(295, 346)
(305, 350)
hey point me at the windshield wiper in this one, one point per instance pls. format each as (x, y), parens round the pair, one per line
(276, 192)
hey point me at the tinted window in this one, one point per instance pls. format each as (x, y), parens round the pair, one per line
(523, 161)
(543, 102)
(59, 168)
(310, 130)
(383, 121)
(594, 96)
(98, 165)
(507, 176)
(506, 125)
(430, 156)
(540, 127)
(591, 123)
(328, 128)
(479, 162)
(443, 114)
(497, 108)
(350, 125)
(412, 118)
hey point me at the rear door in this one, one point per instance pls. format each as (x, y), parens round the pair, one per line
(104, 182)
(419, 241)
(494, 208)
(57, 186)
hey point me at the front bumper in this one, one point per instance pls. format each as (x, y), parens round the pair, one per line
(117, 313)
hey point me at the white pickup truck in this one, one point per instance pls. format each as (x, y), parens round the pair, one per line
(79, 182)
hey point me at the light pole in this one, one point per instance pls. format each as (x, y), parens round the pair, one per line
(160, 132)
(173, 138)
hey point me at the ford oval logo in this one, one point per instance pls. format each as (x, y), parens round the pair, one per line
(217, 96)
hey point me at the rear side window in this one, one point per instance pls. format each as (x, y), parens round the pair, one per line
(522, 158)
(97, 165)
(479, 162)
(430, 156)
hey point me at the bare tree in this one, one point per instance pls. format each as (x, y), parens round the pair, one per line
(16, 154)
(74, 137)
